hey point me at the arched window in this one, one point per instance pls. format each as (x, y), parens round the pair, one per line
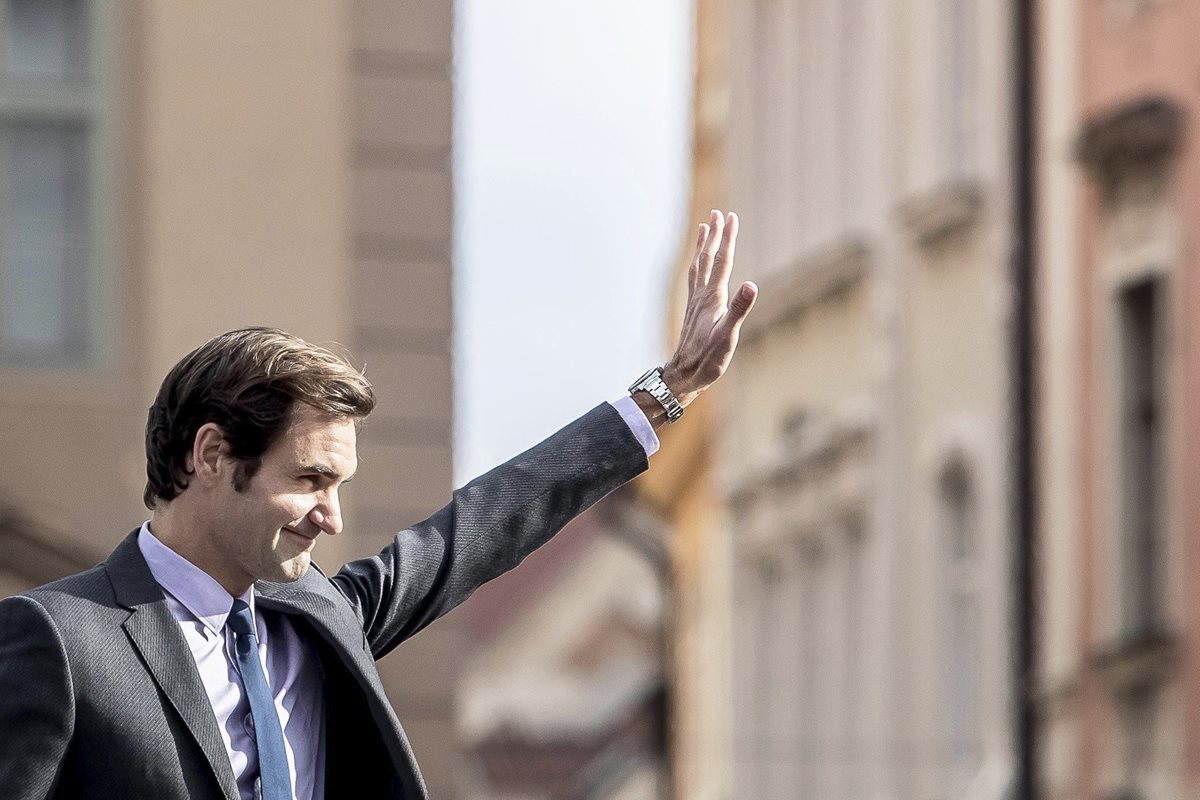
(960, 684)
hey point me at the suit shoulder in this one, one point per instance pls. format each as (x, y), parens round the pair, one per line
(91, 582)
(74, 598)
(315, 583)
(28, 634)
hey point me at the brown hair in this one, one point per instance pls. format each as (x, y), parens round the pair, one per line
(246, 381)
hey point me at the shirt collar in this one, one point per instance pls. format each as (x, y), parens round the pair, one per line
(194, 588)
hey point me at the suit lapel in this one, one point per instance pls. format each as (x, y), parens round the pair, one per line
(156, 635)
(341, 631)
(317, 610)
(336, 624)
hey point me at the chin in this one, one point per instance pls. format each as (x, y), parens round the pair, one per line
(294, 569)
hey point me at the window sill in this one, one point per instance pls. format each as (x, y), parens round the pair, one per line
(1137, 661)
(951, 206)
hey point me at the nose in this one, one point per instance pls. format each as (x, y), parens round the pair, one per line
(327, 515)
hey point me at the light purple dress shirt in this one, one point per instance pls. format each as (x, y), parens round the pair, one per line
(200, 605)
(637, 422)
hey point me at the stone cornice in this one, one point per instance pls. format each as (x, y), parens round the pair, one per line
(951, 206)
(822, 443)
(808, 281)
(1143, 130)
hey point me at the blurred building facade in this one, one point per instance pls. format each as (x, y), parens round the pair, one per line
(857, 451)
(169, 171)
(562, 697)
(681, 487)
(1120, 196)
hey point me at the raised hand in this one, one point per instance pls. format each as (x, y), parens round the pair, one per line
(712, 320)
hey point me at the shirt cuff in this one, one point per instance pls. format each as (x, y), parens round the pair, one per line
(629, 410)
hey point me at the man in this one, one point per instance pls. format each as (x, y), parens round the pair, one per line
(208, 658)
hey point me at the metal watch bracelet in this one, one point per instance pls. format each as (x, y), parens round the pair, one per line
(653, 384)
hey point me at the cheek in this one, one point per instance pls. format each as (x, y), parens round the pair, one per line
(275, 511)
(293, 508)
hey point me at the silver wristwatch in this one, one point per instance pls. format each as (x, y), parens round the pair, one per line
(652, 382)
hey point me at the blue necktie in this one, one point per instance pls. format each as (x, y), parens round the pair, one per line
(273, 770)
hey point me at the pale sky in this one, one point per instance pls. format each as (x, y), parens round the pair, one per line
(572, 157)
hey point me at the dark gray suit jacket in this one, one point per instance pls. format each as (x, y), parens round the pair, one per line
(100, 696)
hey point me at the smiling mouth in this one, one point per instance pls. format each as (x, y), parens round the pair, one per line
(301, 536)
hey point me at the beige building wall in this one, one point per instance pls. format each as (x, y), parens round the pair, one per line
(1060, 391)
(863, 441)
(798, 483)
(560, 697)
(400, 100)
(682, 488)
(267, 163)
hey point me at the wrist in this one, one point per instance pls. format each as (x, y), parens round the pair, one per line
(655, 413)
(675, 381)
(651, 390)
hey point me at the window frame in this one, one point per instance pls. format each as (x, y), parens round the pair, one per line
(1141, 544)
(958, 87)
(87, 102)
(961, 585)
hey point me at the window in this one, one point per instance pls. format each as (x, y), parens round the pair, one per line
(813, 675)
(769, 662)
(958, 87)
(853, 752)
(851, 109)
(1139, 318)
(48, 135)
(962, 723)
(772, 90)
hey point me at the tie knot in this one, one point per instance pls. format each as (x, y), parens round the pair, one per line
(240, 620)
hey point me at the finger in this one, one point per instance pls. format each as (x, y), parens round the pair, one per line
(716, 223)
(730, 325)
(694, 268)
(723, 261)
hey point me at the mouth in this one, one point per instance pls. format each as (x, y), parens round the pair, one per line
(307, 542)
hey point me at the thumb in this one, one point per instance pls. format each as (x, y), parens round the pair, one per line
(743, 301)
(739, 309)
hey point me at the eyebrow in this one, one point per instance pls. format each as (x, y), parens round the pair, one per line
(324, 471)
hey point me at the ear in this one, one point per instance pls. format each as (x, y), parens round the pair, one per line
(210, 453)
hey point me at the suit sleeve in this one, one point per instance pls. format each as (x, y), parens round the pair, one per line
(37, 709)
(490, 525)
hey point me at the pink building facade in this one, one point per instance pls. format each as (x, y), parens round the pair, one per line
(1119, 440)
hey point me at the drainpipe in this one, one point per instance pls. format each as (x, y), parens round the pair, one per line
(1023, 464)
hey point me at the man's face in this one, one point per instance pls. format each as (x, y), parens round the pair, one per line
(268, 530)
